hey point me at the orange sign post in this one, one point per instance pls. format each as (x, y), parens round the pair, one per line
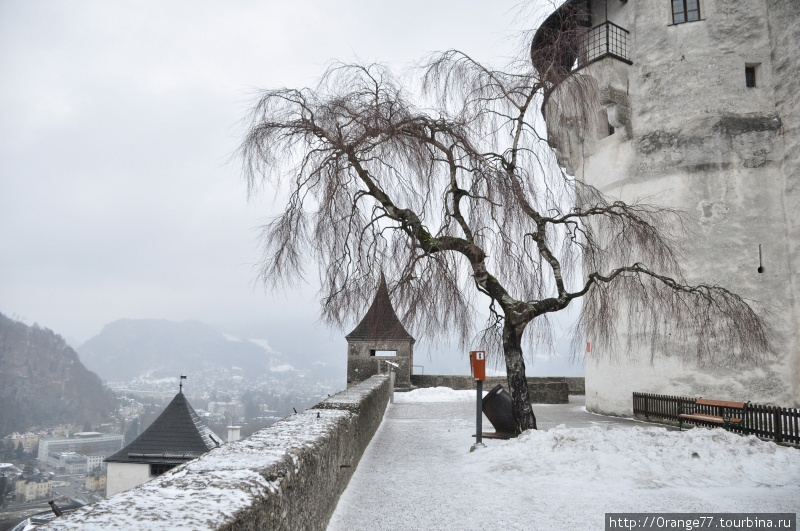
(477, 365)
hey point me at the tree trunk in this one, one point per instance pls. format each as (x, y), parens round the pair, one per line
(521, 408)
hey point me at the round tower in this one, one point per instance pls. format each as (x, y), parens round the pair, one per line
(691, 104)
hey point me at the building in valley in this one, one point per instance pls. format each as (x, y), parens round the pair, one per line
(84, 443)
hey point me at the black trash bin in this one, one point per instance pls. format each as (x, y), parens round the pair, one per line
(496, 406)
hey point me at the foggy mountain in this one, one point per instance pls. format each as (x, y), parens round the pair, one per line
(129, 348)
(42, 381)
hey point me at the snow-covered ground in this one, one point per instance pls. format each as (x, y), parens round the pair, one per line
(418, 472)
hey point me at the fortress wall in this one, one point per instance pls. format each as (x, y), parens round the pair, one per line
(361, 364)
(784, 24)
(727, 155)
(543, 390)
(288, 476)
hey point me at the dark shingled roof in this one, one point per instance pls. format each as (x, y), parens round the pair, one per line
(176, 436)
(380, 322)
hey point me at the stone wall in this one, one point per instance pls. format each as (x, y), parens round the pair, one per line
(784, 25)
(576, 385)
(288, 476)
(361, 363)
(543, 390)
(699, 140)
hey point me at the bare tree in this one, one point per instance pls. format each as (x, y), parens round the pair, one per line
(6, 487)
(462, 194)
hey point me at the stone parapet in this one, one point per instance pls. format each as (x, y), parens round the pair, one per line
(576, 384)
(288, 476)
(543, 390)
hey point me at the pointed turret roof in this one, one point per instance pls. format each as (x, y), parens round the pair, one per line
(176, 436)
(380, 322)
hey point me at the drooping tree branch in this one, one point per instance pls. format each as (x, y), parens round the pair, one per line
(460, 198)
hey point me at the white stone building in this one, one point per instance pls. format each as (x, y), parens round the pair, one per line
(86, 443)
(695, 107)
(70, 463)
(95, 462)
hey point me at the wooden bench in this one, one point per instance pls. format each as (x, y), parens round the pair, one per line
(725, 417)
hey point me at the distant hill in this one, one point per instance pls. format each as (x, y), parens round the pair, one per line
(43, 382)
(129, 348)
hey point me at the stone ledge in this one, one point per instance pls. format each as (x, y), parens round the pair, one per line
(543, 390)
(287, 476)
(354, 397)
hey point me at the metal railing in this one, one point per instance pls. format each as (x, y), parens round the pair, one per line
(774, 423)
(605, 40)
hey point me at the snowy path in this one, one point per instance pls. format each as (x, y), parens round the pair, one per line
(418, 473)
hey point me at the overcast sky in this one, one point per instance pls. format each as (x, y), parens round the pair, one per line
(117, 121)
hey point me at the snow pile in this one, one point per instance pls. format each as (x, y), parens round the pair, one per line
(644, 457)
(418, 472)
(435, 394)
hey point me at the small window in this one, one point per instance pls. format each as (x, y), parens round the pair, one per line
(750, 76)
(392, 353)
(685, 11)
(158, 469)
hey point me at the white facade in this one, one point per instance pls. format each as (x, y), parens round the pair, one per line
(124, 476)
(92, 443)
(689, 133)
(33, 490)
(70, 462)
(94, 462)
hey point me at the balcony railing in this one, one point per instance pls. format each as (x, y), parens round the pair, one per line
(564, 44)
(604, 40)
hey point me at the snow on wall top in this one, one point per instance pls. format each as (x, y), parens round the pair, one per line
(206, 492)
(351, 399)
(209, 491)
